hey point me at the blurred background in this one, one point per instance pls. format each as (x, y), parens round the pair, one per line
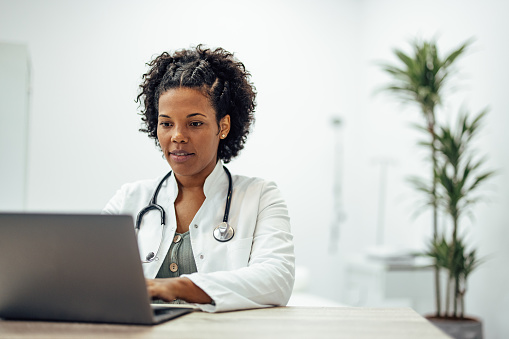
(339, 151)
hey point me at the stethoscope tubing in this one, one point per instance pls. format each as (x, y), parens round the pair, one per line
(153, 205)
(228, 196)
(222, 233)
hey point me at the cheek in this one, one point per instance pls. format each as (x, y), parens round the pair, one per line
(207, 145)
(162, 142)
(212, 141)
(160, 135)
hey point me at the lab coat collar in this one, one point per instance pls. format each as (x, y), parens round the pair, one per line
(215, 179)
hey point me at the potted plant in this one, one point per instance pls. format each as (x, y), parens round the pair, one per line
(460, 174)
(456, 174)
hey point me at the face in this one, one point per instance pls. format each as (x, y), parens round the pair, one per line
(188, 132)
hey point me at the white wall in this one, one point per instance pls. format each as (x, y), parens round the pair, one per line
(14, 103)
(310, 60)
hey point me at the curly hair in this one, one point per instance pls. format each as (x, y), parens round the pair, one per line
(218, 75)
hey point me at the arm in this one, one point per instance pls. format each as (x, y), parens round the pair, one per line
(268, 277)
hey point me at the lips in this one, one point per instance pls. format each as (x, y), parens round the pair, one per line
(180, 155)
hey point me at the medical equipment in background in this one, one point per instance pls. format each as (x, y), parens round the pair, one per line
(338, 210)
(382, 250)
(384, 163)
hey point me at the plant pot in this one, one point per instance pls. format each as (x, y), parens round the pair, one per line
(458, 328)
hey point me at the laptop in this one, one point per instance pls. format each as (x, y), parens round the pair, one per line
(74, 267)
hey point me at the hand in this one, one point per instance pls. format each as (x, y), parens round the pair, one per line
(169, 289)
(164, 289)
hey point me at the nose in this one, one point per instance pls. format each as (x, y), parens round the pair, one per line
(179, 136)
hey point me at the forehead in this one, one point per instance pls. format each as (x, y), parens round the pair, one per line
(184, 100)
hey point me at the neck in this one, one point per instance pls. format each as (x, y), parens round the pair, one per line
(193, 182)
(189, 182)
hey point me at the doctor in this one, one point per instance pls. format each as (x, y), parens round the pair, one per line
(220, 241)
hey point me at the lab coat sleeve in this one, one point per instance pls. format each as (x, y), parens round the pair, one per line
(130, 198)
(116, 203)
(269, 277)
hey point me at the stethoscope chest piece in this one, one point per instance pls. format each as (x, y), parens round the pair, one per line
(223, 232)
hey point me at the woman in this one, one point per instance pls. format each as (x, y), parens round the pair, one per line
(198, 107)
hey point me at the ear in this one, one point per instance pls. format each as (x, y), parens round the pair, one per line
(224, 126)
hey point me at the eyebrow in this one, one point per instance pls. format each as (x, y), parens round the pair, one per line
(188, 116)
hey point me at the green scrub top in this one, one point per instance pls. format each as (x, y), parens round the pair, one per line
(179, 260)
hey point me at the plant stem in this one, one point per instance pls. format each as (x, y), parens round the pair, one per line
(431, 129)
(456, 273)
(448, 294)
(462, 304)
(456, 295)
(437, 291)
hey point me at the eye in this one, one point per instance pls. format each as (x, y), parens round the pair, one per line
(165, 124)
(196, 123)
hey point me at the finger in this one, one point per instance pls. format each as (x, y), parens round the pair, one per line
(152, 288)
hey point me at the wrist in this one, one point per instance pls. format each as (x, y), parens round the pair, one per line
(179, 287)
(186, 290)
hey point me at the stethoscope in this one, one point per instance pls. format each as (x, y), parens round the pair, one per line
(223, 232)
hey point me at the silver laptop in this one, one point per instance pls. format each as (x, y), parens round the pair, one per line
(69, 267)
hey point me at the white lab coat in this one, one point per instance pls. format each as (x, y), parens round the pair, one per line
(256, 268)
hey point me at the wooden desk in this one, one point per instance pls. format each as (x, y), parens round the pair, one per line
(280, 323)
